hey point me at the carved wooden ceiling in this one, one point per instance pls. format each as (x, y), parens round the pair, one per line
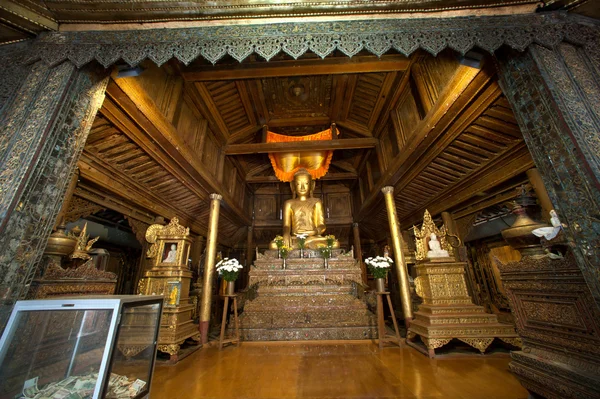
(438, 129)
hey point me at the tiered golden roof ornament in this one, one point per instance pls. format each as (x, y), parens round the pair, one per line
(432, 242)
(84, 244)
(172, 229)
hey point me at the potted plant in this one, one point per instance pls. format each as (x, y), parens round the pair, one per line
(301, 238)
(284, 251)
(379, 266)
(229, 270)
(279, 242)
(325, 251)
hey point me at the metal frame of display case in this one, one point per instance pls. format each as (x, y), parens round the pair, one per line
(116, 303)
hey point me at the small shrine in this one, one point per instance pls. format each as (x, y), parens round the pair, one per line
(447, 311)
(170, 276)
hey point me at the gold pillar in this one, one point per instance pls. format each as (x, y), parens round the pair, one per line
(401, 270)
(209, 265)
(358, 250)
(540, 191)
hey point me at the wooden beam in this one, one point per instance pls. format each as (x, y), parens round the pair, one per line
(491, 201)
(327, 177)
(355, 127)
(106, 200)
(295, 146)
(327, 66)
(299, 121)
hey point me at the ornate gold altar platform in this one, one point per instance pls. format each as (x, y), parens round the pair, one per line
(447, 311)
(306, 301)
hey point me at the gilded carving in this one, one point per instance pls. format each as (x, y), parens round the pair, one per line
(79, 208)
(87, 271)
(478, 343)
(423, 235)
(447, 311)
(306, 301)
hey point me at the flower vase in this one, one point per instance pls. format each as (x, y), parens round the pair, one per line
(230, 288)
(301, 253)
(380, 284)
(326, 263)
(284, 264)
(278, 254)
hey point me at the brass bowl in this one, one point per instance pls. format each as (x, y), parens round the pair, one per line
(60, 244)
(520, 236)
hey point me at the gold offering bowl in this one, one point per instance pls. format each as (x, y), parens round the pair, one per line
(60, 244)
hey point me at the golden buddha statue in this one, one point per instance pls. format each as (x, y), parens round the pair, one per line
(303, 214)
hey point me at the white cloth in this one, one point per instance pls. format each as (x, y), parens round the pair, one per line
(549, 233)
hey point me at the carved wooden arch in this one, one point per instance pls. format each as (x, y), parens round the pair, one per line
(433, 35)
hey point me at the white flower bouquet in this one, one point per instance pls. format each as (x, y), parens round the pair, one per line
(229, 269)
(379, 265)
(301, 238)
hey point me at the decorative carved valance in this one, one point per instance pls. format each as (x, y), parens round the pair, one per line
(322, 38)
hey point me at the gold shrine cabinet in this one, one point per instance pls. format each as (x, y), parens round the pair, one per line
(170, 276)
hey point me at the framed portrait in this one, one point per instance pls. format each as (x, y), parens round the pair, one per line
(169, 254)
(172, 293)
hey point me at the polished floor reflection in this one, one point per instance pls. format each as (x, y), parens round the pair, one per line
(338, 370)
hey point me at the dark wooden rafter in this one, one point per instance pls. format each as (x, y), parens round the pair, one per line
(107, 200)
(327, 177)
(327, 66)
(513, 163)
(262, 148)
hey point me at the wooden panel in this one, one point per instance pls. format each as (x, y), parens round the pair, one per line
(191, 128)
(210, 157)
(408, 116)
(339, 205)
(164, 89)
(431, 75)
(265, 207)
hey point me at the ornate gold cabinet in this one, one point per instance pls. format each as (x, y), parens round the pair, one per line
(170, 276)
(72, 347)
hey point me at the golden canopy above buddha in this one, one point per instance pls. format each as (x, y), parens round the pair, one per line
(303, 214)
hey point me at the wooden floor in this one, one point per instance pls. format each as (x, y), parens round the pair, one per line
(309, 370)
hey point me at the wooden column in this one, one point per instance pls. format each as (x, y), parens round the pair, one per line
(451, 228)
(60, 219)
(44, 128)
(196, 253)
(540, 191)
(358, 251)
(249, 254)
(400, 264)
(209, 265)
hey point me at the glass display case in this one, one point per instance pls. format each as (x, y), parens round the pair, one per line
(80, 348)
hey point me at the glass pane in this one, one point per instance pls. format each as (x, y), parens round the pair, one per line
(131, 365)
(54, 354)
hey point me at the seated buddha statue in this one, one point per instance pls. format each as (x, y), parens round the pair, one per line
(303, 214)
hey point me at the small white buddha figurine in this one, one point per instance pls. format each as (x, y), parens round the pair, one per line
(435, 249)
(549, 232)
(172, 255)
